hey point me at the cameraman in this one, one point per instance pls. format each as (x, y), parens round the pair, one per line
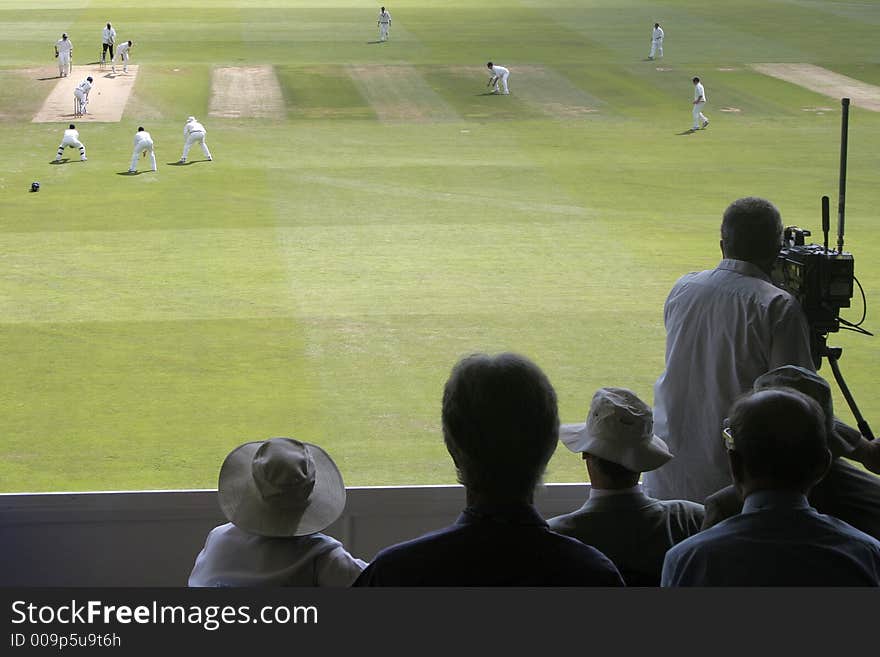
(725, 327)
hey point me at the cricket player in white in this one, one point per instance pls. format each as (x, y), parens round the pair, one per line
(656, 41)
(143, 143)
(699, 103)
(108, 39)
(71, 140)
(498, 73)
(82, 94)
(122, 51)
(194, 132)
(64, 53)
(384, 23)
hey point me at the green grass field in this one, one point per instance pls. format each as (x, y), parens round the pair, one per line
(322, 275)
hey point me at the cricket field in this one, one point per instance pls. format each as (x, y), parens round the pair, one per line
(372, 213)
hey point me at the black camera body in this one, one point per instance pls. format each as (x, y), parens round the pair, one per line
(820, 279)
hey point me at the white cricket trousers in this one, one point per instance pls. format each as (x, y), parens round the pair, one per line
(698, 115)
(503, 81)
(73, 143)
(192, 138)
(123, 56)
(63, 64)
(656, 47)
(383, 31)
(140, 148)
(82, 99)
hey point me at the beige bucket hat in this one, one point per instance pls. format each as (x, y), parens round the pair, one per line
(620, 429)
(280, 487)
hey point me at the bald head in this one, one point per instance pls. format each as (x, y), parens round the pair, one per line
(780, 440)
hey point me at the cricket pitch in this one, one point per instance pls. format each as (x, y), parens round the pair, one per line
(107, 99)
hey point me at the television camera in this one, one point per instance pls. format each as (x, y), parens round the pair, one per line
(822, 280)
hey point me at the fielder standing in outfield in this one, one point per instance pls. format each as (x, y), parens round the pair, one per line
(498, 73)
(71, 140)
(699, 104)
(384, 24)
(143, 143)
(64, 53)
(108, 39)
(656, 41)
(81, 93)
(122, 51)
(193, 132)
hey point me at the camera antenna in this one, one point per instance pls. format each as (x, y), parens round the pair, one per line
(826, 220)
(833, 353)
(841, 199)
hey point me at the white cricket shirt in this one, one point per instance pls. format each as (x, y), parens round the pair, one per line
(192, 126)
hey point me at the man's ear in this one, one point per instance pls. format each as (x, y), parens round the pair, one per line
(721, 245)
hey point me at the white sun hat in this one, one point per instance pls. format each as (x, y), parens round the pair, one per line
(620, 429)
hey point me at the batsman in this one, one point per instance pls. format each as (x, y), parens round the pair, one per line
(81, 95)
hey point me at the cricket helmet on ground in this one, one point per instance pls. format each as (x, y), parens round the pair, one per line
(35, 186)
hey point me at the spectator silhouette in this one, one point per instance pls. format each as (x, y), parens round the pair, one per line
(500, 425)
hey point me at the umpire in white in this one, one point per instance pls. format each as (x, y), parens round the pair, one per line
(108, 40)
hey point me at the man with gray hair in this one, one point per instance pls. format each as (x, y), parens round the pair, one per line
(724, 327)
(776, 446)
(633, 530)
(501, 426)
